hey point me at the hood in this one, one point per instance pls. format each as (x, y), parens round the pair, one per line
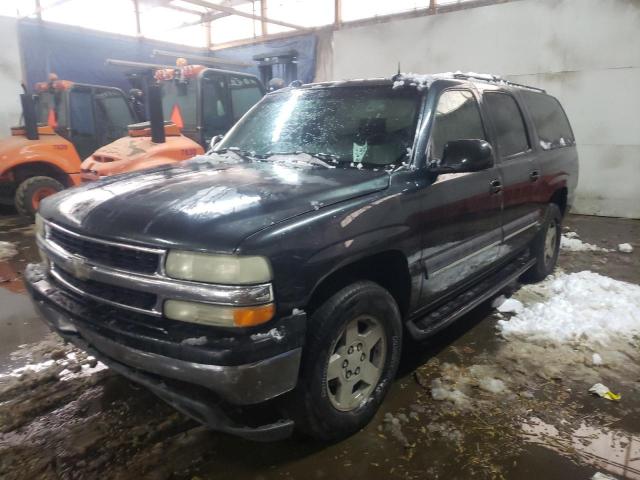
(208, 203)
(128, 154)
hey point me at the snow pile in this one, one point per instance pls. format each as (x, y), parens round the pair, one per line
(86, 370)
(625, 248)
(273, 333)
(29, 368)
(459, 385)
(570, 242)
(7, 250)
(582, 308)
(507, 305)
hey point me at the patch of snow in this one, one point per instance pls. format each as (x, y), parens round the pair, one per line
(602, 476)
(583, 308)
(85, 371)
(510, 305)
(297, 311)
(596, 359)
(545, 145)
(625, 248)
(315, 204)
(439, 391)
(498, 301)
(29, 368)
(492, 385)
(7, 250)
(273, 333)
(574, 244)
(571, 235)
(194, 341)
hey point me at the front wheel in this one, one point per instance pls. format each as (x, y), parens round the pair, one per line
(350, 360)
(32, 191)
(546, 246)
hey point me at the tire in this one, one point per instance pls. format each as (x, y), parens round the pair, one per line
(32, 190)
(329, 409)
(546, 246)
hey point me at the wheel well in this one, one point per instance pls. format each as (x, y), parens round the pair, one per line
(559, 197)
(28, 170)
(388, 269)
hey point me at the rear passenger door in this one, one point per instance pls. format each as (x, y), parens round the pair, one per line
(517, 164)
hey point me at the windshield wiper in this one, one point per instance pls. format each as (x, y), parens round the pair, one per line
(315, 158)
(242, 154)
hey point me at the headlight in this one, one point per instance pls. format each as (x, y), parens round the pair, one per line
(218, 315)
(221, 269)
(40, 229)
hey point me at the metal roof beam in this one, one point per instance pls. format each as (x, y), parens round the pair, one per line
(233, 11)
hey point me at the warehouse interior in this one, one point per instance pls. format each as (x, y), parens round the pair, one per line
(504, 392)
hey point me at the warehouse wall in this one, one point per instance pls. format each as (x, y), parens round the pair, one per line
(79, 54)
(10, 76)
(585, 52)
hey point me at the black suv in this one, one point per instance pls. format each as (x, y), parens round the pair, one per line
(269, 284)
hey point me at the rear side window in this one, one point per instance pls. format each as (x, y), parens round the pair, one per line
(511, 134)
(457, 118)
(550, 120)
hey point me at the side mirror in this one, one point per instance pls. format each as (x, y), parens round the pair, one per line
(214, 141)
(465, 156)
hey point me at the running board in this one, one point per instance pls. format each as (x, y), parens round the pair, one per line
(442, 316)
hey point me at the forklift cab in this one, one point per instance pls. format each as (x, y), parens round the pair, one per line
(88, 116)
(205, 102)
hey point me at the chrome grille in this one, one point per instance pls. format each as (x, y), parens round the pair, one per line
(114, 255)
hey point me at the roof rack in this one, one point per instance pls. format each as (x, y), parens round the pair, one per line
(496, 79)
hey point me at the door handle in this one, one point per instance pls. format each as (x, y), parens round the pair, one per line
(496, 186)
(534, 176)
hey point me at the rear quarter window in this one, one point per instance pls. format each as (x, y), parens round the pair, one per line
(554, 130)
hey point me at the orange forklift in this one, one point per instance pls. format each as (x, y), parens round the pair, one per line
(199, 104)
(62, 123)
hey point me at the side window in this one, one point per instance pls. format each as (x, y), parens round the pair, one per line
(550, 120)
(214, 114)
(457, 117)
(245, 93)
(115, 112)
(508, 122)
(81, 106)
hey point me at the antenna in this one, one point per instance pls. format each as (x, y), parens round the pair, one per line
(398, 67)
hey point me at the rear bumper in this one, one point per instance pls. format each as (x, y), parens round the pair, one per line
(196, 389)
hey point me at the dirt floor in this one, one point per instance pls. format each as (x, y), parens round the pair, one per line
(63, 416)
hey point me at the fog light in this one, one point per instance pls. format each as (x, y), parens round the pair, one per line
(218, 315)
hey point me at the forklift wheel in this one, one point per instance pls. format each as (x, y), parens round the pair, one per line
(31, 192)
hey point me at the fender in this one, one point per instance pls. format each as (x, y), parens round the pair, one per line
(53, 150)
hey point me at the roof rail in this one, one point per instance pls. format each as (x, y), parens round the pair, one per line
(496, 79)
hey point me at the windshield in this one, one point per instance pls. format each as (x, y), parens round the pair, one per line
(179, 102)
(50, 108)
(364, 125)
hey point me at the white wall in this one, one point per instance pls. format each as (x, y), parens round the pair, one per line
(10, 75)
(585, 52)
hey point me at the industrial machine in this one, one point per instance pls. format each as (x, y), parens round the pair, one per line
(62, 123)
(198, 103)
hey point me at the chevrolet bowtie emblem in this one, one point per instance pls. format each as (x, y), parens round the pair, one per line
(79, 268)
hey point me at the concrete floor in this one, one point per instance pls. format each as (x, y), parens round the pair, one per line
(102, 426)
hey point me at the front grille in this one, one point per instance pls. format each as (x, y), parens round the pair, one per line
(113, 293)
(105, 254)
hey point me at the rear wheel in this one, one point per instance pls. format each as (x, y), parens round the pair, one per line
(32, 191)
(546, 246)
(350, 360)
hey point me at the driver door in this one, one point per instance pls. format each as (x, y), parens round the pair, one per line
(462, 211)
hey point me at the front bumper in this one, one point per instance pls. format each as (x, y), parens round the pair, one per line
(172, 378)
